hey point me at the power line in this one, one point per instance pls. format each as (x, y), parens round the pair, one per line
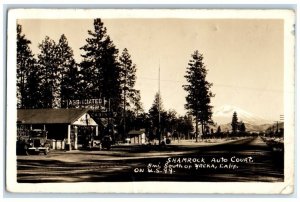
(215, 84)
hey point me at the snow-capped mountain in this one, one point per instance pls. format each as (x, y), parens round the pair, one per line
(223, 115)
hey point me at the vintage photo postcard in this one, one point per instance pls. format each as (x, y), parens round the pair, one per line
(150, 101)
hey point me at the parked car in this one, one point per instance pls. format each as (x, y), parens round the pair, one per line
(36, 142)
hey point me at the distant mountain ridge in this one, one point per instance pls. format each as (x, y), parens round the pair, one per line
(249, 127)
(223, 115)
(253, 123)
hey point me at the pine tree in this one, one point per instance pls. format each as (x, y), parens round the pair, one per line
(127, 78)
(100, 68)
(69, 75)
(234, 123)
(49, 65)
(219, 130)
(127, 81)
(33, 90)
(25, 68)
(137, 104)
(155, 113)
(242, 127)
(156, 108)
(199, 94)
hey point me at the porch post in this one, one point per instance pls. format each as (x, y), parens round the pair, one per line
(100, 146)
(96, 130)
(76, 137)
(69, 138)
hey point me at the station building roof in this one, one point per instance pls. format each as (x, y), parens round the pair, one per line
(76, 116)
(136, 132)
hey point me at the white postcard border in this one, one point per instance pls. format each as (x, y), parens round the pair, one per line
(285, 187)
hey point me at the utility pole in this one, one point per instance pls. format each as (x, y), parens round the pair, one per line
(124, 111)
(197, 127)
(124, 104)
(159, 127)
(108, 114)
(197, 115)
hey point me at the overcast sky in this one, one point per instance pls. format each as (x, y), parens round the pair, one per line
(244, 58)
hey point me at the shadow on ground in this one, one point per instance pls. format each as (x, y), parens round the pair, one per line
(94, 167)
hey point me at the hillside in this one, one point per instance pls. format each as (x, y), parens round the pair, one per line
(254, 123)
(249, 127)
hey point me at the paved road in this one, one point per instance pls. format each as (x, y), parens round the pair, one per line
(235, 161)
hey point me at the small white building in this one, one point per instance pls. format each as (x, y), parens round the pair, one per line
(137, 136)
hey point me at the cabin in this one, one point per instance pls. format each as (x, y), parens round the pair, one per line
(137, 136)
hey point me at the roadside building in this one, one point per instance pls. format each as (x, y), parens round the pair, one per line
(65, 127)
(137, 136)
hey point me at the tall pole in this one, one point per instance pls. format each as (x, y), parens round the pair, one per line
(108, 114)
(197, 129)
(124, 111)
(159, 128)
(124, 104)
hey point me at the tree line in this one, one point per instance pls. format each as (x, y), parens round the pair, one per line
(53, 77)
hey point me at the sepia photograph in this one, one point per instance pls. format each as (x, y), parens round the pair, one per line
(150, 101)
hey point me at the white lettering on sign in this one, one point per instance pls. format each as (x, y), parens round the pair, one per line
(98, 103)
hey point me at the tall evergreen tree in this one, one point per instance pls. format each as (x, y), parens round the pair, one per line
(49, 65)
(33, 90)
(127, 78)
(199, 94)
(130, 96)
(69, 71)
(100, 68)
(242, 127)
(137, 104)
(25, 68)
(156, 109)
(155, 114)
(234, 123)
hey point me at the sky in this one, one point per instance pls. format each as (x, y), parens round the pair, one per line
(244, 58)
